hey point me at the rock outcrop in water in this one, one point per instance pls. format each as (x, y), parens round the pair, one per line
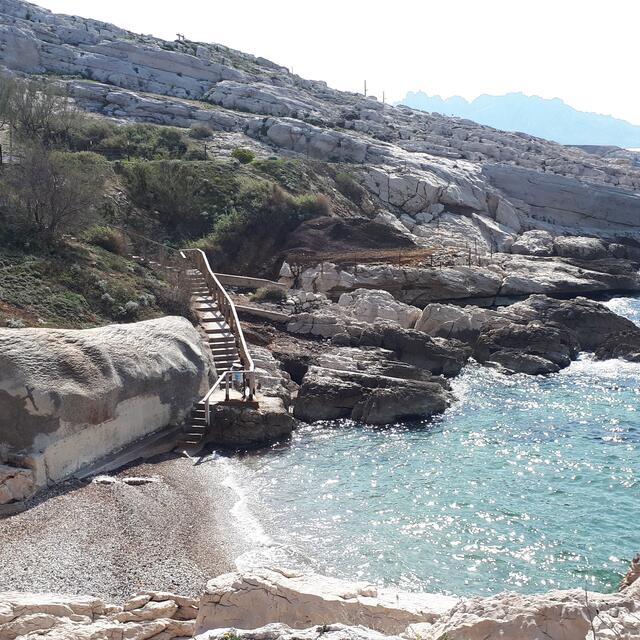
(538, 335)
(69, 397)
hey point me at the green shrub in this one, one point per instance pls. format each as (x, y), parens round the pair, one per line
(108, 238)
(269, 294)
(148, 141)
(311, 205)
(245, 156)
(349, 187)
(200, 131)
(90, 133)
(50, 193)
(187, 197)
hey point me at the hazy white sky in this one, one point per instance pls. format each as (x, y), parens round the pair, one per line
(583, 51)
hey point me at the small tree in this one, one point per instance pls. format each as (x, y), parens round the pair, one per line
(39, 112)
(52, 192)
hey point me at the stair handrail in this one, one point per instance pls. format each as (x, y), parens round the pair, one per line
(228, 310)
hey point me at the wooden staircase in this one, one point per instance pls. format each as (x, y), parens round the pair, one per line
(218, 319)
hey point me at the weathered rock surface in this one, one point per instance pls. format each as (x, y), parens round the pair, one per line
(370, 305)
(277, 631)
(163, 616)
(301, 600)
(16, 483)
(506, 276)
(245, 427)
(409, 345)
(329, 394)
(537, 335)
(571, 615)
(68, 397)
(534, 243)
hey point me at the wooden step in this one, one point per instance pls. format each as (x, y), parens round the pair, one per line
(197, 422)
(218, 329)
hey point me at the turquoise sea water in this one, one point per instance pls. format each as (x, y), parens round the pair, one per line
(526, 484)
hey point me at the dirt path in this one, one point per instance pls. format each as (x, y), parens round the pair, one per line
(110, 540)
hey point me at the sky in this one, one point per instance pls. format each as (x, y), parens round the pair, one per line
(583, 51)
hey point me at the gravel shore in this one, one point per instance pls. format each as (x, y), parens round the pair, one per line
(111, 540)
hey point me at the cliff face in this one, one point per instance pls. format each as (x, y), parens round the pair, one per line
(433, 179)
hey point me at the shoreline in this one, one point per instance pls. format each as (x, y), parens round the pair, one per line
(112, 540)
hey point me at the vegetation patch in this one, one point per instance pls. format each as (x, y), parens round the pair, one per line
(245, 156)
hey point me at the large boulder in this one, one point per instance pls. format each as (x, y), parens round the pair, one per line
(532, 348)
(369, 305)
(299, 600)
(437, 355)
(329, 394)
(589, 321)
(579, 247)
(242, 427)
(570, 615)
(69, 397)
(534, 243)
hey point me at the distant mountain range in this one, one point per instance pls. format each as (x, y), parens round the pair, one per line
(550, 119)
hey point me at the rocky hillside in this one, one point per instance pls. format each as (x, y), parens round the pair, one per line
(431, 180)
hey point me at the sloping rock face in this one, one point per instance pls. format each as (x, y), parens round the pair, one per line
(69, 397)
(436, 180)
(300, 601)
(27, 616)
(505, 276)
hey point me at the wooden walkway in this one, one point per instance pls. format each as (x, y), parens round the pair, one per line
(235, 371)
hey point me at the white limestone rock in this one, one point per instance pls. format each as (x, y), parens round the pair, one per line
(299, 600)
(581, 248)
(534, 243)
(278, 631)
(27, 616)
(77, 395)
(570, 615)
(369, 305)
